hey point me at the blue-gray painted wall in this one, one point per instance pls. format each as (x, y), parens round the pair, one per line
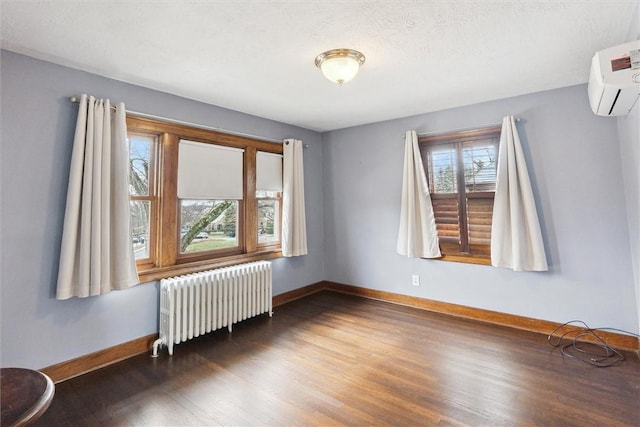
(38, 124)
(629, 130)
(353, 182)
(575, 166)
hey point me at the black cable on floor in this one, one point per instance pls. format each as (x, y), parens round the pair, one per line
(586, 345)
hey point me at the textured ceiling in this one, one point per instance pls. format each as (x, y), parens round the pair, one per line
(257, 57)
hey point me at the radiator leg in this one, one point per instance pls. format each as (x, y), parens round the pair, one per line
(156, 343)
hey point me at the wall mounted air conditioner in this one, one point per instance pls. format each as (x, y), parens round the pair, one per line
(614, 83)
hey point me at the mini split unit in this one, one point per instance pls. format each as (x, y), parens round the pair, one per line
(614, 83)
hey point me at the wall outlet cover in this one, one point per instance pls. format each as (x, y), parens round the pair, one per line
(415, 280)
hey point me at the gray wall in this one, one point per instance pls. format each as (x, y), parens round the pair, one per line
(585, 180)
(575, 167)
(37, 131)
(629, 129)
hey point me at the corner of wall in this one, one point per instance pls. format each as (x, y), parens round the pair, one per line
(629, 136)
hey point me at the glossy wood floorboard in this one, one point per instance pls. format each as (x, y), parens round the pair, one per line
(332, 359)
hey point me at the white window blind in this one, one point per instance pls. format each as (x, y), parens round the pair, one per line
(268, 171)
(209, 172)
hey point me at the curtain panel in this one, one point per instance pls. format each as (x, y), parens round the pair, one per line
(96, 254)
(417, 236)
(516, 239)
(294, 227)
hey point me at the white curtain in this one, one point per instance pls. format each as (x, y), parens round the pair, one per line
(516, 240)
(96, 254)
(294, 228)
(417, 237)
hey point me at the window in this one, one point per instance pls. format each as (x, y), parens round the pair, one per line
(142, 187)
(210, 195)
(269, 195)
(269, 213)
(201, 199)
(461, 172)
(208, 225)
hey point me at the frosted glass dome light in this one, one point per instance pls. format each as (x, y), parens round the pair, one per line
(340, 65)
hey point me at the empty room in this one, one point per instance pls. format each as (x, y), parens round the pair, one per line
(257, 213)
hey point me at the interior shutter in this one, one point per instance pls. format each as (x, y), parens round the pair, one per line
(479, 214)
(445, 210)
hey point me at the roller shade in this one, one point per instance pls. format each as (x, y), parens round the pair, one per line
(209, 172)
(268, 171)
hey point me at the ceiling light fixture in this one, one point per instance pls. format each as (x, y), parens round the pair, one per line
(340, 65)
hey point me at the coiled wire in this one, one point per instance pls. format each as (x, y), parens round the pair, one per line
(586, 345)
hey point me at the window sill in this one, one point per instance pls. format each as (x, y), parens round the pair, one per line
(158, 273)
(467, 259)
(480, 254)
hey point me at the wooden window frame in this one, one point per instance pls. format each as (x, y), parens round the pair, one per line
(462, 251)
(165, 259)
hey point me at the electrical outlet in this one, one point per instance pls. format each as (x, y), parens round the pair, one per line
(415, 280)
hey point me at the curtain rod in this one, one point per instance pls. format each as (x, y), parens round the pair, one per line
(463, 129)
(76, 100)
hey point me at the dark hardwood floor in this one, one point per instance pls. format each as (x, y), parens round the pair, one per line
(332, 359)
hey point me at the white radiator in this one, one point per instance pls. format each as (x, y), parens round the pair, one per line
(195, 304)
